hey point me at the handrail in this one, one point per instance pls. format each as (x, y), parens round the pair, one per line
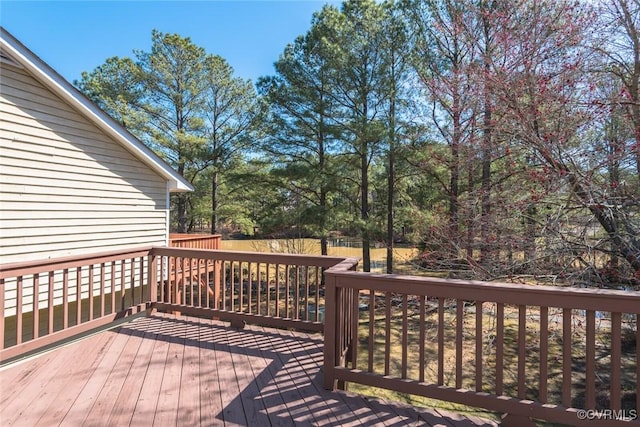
(317, 260)
(39, 266)
(508, 293)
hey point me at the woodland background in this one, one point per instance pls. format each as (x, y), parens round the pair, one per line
(502, 137)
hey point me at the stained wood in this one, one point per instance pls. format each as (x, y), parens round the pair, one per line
(146, 405)
(271, 398)
(80, 411)
(159, 370)
(169, 393)
(44, 384)
(190, 379)
(250, 395)
(127, 399)
(210, 398)
(232, 412)
(80, 371)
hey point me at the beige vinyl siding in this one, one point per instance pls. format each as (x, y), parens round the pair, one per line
(65, 186)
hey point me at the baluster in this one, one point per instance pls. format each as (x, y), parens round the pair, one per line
(522, 350)
(102, 291)
(250, 288)
(479, 340)
(616, 354)
(305, 269)
(566, 357)
(50, 301)
(132, 281)
(422, 337)
(590, 378)
(268, 281)
(91, 292)
(544, 353)
(123, 291)
(232, 286)
(65, 299)
(19, 292)
(258, 290)
(500, 349)
(405, 335)
(297, 288)
(372, 303)
(287, 290)
(440, 341)
(459, 341)
(36, 305)
(387, 332)
(353, 312)
(113, 287)
(79, 294)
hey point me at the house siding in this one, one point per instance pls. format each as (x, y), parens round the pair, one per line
(65, 186)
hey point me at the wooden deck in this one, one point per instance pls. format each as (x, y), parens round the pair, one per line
(161, 370)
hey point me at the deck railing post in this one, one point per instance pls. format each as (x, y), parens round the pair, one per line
(153, 277)
(330, 329)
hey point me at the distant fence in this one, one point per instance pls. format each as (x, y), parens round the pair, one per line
(194, 241)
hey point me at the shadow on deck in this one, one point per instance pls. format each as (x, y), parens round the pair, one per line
(162, 370)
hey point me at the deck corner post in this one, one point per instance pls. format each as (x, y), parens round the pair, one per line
(330, 302)
(153, 278)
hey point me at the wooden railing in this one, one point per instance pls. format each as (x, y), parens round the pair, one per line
(563, 355)
(558, 354)
(194, 241)
(277, 290)
(79, 293)
(43, 302)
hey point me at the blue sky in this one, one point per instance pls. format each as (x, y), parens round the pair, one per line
(76, 36)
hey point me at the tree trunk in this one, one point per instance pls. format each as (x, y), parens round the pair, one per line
(486, 249)
(364, 208)
(454, 166)
(181, 206)
(214, 202)
(322, 165)
(470, 214)
(530, 244)
(390, 199)
(629, 248)
(454, 187)
(391, 178)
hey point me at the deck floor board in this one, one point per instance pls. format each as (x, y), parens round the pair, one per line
(127, 399)
(162, 370)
